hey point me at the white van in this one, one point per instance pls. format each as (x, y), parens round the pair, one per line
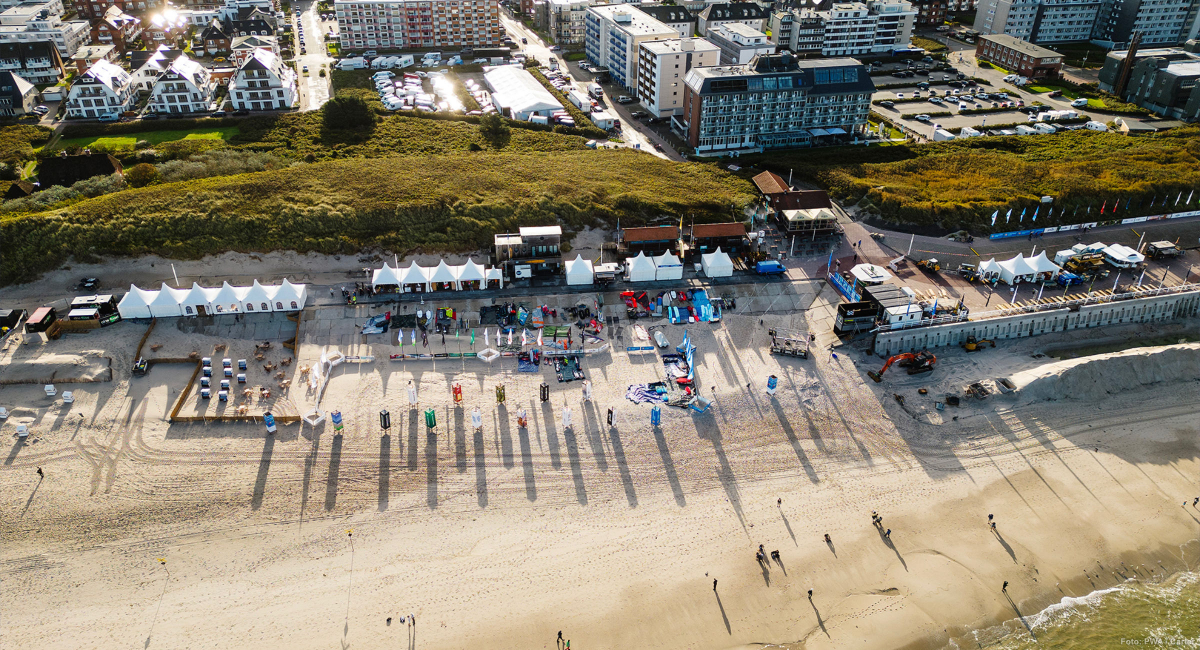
(1080, 103)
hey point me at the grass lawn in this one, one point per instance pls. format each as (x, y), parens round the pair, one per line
(928, 44)
(153, 137)
(1067, 92)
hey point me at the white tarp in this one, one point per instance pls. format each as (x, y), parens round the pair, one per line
(136, 303)
(579, 271)
(716, 264)
(640, 269)
(668, 267)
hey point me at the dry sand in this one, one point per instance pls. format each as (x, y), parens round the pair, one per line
(501, 538)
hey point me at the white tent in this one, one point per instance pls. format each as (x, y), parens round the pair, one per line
(579, 271)
(496, 274)
(136, 303)
(443, 273)
(989, 270)
(168, 302)
(1017, 269)
(640, 269)
(1123, 256)
(196, 300)
(717, 264)
(521, 93)
(1042, 265)
(256, 298)
(470, 271)
(415, 276)
(386, 276)
(225, 299)
(668, 267)
(290, 297)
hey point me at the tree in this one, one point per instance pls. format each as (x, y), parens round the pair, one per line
(494, 130)
(347, 112)
(141, 175)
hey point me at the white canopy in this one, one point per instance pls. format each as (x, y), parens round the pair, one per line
(290, 297)
(443, 273)
(579, 271)
(225, 299)
(385, 276)
(990, 269)
(1042, 264)
(668, 267)
(195, 299)
(166, 302)
(470, 270)
(717, 264)
(415, 275)
(256, 298)
(640, 269)
(136, 303)
(1025, 269)
(496, 274)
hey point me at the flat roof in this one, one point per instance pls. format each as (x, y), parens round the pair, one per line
(741, 29)
(1025, 47)
(870, 273)
(732, 229)
(676, 45)
(650, 233)
(540, 231)
(639, 23)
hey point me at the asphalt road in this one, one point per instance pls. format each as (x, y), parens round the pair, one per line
(313, 88)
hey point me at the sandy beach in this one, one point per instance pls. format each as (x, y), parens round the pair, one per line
(192, 535)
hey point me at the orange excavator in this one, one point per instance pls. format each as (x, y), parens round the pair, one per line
(914, 362)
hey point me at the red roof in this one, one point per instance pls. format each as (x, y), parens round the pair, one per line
(771, 183)
(651, 233)
(703, 230)
(803, 200)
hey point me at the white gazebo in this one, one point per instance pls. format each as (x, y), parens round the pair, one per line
(471, 275)
(497, 275)
(136, 303)
(167, 302)
(196, 301)
(225, 299)
(1016, 270)
(415, 279)
(990, 270)
(385, 277)
(579, 271)
(640, 269)
(256, 298)
(668, 267)
(289, 297)
(717, 264)
(443, 274)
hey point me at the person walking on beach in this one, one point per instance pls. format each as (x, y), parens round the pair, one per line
(560, 639)
(413, 618)
(810, 594)
(1005, 587)
(888, 534)
(714, 584)
(41, 474)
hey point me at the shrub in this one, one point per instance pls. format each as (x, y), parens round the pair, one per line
(141, 175)
(494, 130)
(347, 112)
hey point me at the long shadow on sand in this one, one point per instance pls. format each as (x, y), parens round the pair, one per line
(527, 463)
(335, 467)
(576, 469)
(431, 486)
(723, 616)
(264, 465)
(791, 436)
(481, 488)
(385, 467)
(669, 467)
(623, 466)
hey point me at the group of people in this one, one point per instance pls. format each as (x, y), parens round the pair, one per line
(877, 520)
(761, 555)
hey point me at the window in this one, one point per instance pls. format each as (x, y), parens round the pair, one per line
(294, 305)
(188, 310)
(279, 306)
(249, 306)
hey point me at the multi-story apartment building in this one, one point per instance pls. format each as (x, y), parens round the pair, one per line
(184, 86)
(739, 43)
(87, 56)
(775, 101)
(1039, 21)
(564, 20)
(243, 47)
(38, 63)
(37, 21)
(931, 13)
(263, 82)
(93, 9)
(117, 28)
(1160, 22)
(612, 36)
(104, 89)
(1021, 57)
(673, 16)
(662, 67)
(1164, 80)
(746, 13)
(397, 24)
(955, 6)
(17, 96)
(845, 29)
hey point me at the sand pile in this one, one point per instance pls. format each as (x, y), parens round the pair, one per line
(58, 368)
(1092, 378)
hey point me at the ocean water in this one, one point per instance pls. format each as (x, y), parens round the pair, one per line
(1130, 615)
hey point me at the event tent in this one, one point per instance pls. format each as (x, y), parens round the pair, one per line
(640, 269)
(442, 274)
(196, 300)
(520, 92)
(385, 277)
(716, 264)
(497, 275)
(989, 270)
(1027, 269)
(256, 298)
(225, 299)
(668, 267)
(579, 271)
(468, 272)
(136, 303)
(415, 276)
(166, 302)
(290, 297)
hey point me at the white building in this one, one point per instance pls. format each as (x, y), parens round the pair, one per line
(518, 92)
(662, 66)
(262, 83)
(676, 17)
(846, 28)
(104, 89)
(739, 43)
(613, 35)
(747, 13)
(243, 47)
(1039, 21)
(395, 24)
(183, 87)
(565, 20)
(37, 21)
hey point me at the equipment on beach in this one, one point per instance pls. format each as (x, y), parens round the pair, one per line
(930, 265)
(458, 395)
(140, 368)
(269, 420)
(500, 393)
(914, 362)
(385, 420)
(772, 383)
(430, 419)
(972, 344)
(545, 392)
(655, 416)
(476, 419)
(522, 422)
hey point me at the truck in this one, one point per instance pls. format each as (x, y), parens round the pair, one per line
(769, 267)
(1089, 266)
(1066, 279)
(1158, 250)
(595, 91)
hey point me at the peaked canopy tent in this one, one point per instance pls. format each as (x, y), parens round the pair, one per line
(716, 264)
(165, 303)
(470, 275)
(990, 270)
(579, 271)
(289, 297)
(256, 298)
(668, 267)
(415, 279)
(1027, 269)
(195, 302)
(136, 303)
(495, 275)
(443, 275)
(640, 269)
(226, 299)
(385, 277)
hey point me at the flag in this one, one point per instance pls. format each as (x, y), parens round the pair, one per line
(539, 338)
(1021, 219)
(524, 337)
(994, 215)
(487, 339)
(1127, 202)
(472, 338)
(510, 337)
(1189, 201)
(456, 333)
(1179, 197)
(1035, 211)
(1104, 205)
(1153, 200)
(414, 337)
(1008, 215)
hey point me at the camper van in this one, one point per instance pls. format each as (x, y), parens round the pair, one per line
(1045, 128)
(1025, 129)
(1096, 126)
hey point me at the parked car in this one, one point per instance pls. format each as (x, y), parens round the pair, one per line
(88, 284)
(923, 73)
(218, 114)
(241, 111)
(151, 116)
(1056, 93)
(887, 103)
(637, 115)
(109, 117)
(41, 109)
(935, 100)
(624, 99)
(960, 76)
(304, 69)
(1080, 103)
(922, 118)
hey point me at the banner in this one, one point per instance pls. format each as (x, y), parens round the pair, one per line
(843, 287)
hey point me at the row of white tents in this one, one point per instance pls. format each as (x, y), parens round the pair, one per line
(416, 278)
(667, 266)
(1019, 269)
(225, 299)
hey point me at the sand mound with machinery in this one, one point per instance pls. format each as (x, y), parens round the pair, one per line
(1092, 378)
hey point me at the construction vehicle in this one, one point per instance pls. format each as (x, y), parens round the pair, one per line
(970, 272)
(914, 362)
(140, 367)
(930, 265)
(1089, 266)
(973, 345)
(1158, 250)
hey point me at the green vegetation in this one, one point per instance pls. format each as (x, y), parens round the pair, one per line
(958, 184)
(582, 122)
(347, 112)
(17, 143)
(579, 56)
(928, 44)
(1098, 100)
(1076, 54)
(909, 116)
(442, 203)
(152, 137)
